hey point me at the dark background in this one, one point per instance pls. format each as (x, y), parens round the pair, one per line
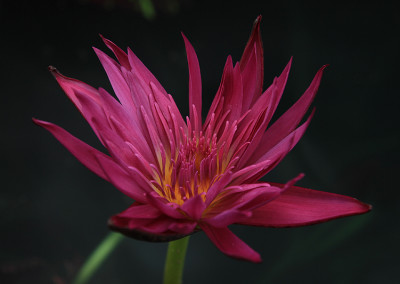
(53, 210)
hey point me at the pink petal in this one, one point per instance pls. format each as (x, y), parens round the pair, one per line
(194, 84)
(262, 112)
(230, 244)
(186, 228)
(94, 160)
(139, 68)
(140, 211)
(273, 157)
(145, 222)
(233, 93)
(194, 207)
(110, 123)
(298, 206)
(291, 118)
(70, 86)
(169, 209)
(137, 216)
(217, 105)
(252, 67)
(246, 196)
(121, 55)
(216, 188)
(117, 80)
(226, 218)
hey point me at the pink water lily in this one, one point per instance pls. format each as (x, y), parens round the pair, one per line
(188, 175)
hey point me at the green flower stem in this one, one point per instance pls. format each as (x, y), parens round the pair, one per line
(175, 261)
(97, 257)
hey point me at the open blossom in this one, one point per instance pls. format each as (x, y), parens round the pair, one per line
(186, 175)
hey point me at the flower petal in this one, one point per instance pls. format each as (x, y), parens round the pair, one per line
(117, 80)
(112, 125)
(230, 244)
(218, 186)
(227, 217)
(121, 225)
(139, 68)
(252, 67)
(169, 209)
(246, 196)
(272, 158)
(194, 207)
(118, 52)
(298, 206)
(145, 222)
(140, 211)
(194, 84)
(70, 85)
(96, 161)
(262, 113)
(291, 118)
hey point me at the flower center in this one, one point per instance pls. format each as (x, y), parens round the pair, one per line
(190, 170)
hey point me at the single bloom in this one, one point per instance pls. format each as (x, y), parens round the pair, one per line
(186, 175)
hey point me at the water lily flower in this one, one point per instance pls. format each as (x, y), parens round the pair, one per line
(198, 174)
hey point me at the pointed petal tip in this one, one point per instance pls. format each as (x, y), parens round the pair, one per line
(299, 177)
(364, 207)
(257, 21)
(36, 121)
(323, 68)
(54, 71)
(183, 35)
(96, 49)
(105, 40)
(52, 68)
(40, 122)
(230, 244)
(257, 259)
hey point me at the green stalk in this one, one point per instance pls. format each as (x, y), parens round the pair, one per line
(97, 257)
(175, 261)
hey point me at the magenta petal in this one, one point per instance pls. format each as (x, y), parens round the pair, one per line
(158, 229)
(169, 209)
(298, 206)
(227, 217)
(82, 151)
(276, 154)
(217, 105)
(121, 55)
(246, 196)
(144, 73)
(70, 86)
(194, 83)
(185, 228)
(194, 207)
(262, 112)
(230, 244)
(96, 161)
(252, 66)
(117, 80)
(140, 211)
(218, 186)
(291, 118)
